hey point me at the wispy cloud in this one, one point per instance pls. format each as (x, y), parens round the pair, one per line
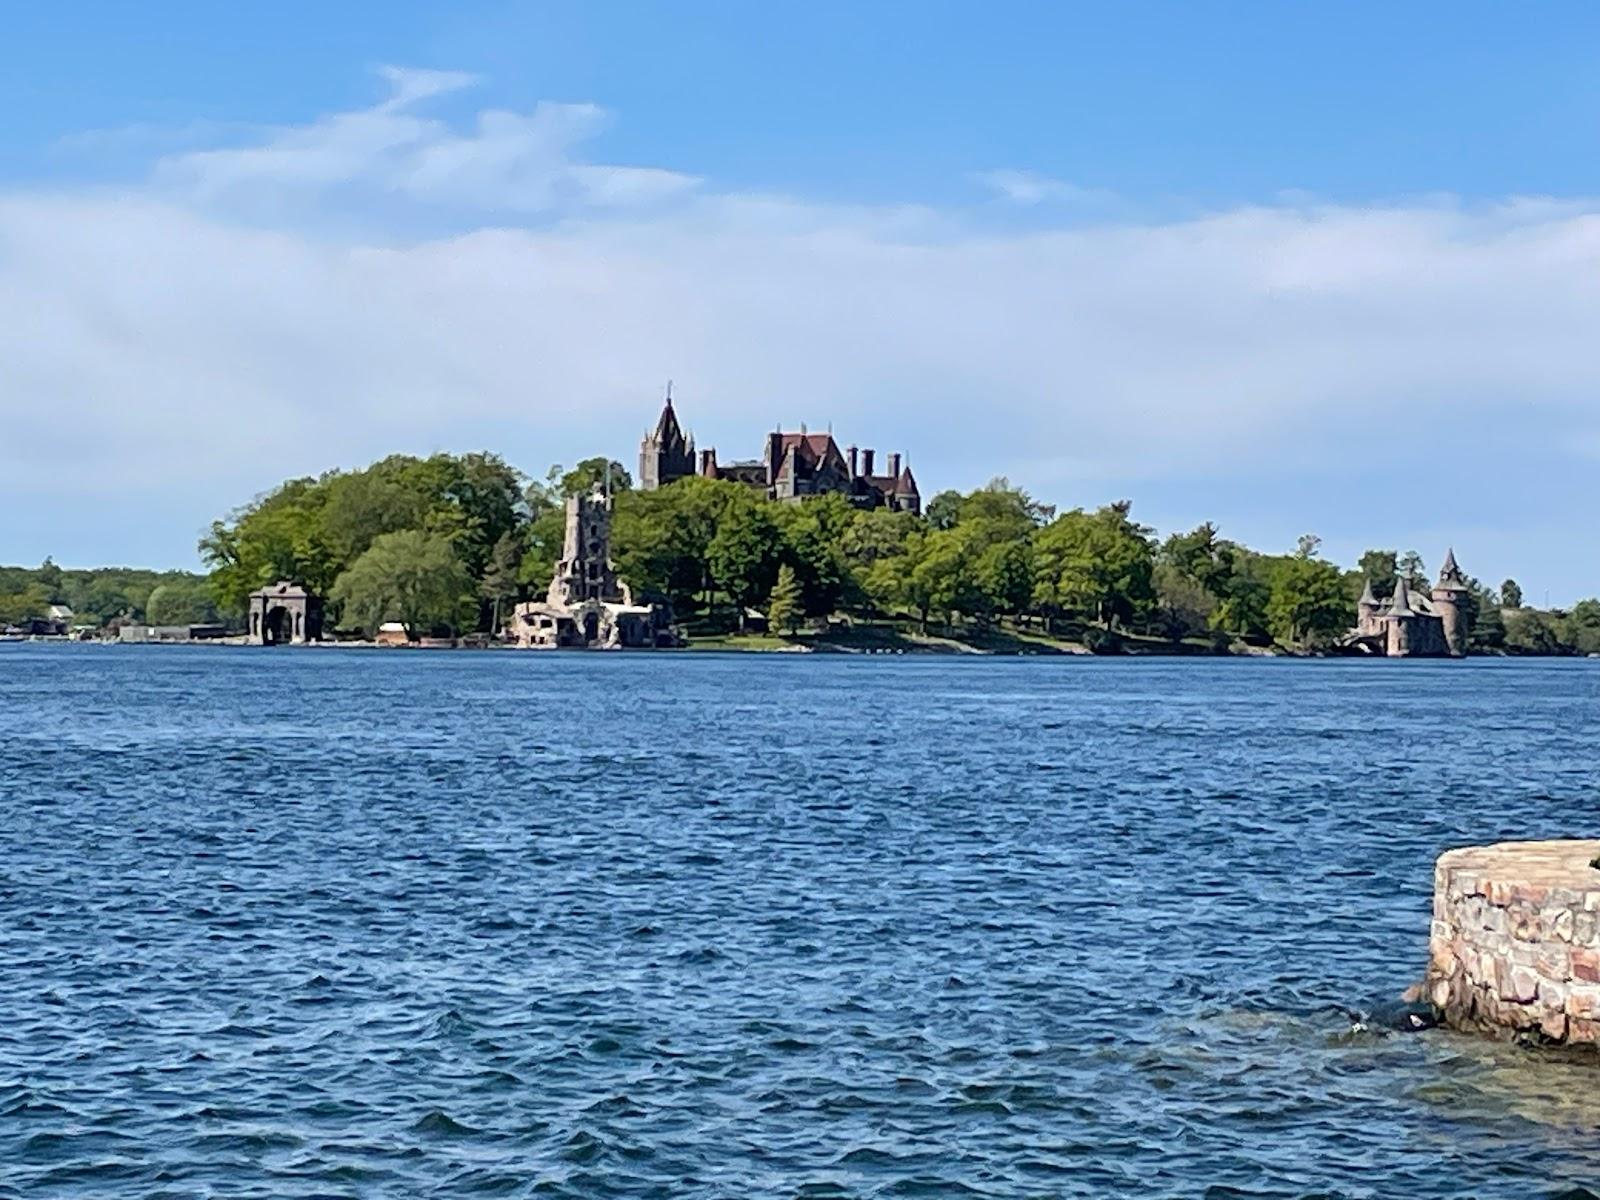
(1029, 188)
(510, 162)
(1381, 372)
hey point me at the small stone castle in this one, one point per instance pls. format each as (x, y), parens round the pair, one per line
(1412, 625)
(792, 466)
(587, 605)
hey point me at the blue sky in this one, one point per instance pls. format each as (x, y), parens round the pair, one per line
(1287, 267)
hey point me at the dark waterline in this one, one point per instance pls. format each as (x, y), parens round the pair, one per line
(295, 924)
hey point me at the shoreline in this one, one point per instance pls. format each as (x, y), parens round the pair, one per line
(901, 645)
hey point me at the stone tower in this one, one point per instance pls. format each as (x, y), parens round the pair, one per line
(1402, 619)
(585, 571)
(1369, 610)
(1449, 598)
(665, 453)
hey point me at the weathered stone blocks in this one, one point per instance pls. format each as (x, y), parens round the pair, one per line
(1514, 944)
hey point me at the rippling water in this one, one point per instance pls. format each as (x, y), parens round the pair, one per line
(331, 923)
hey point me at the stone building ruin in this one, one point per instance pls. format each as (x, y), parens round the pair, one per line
(587, 606)
(283, 614)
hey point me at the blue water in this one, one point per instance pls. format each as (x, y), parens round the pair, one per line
(333, 923)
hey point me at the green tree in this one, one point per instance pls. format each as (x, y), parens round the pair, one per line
(49, 577)
(1530, 631)
(944, 510)
(661, 539)
(1200, 556)
(1583, 627)
(786, 608)
(1000, 510)
(1243, 608)
(744, 554)
(942, 577)
(581, 480)
(1309, 603)
(1005, 576)
(1410, 565)
(1511, 594)
(812, 532)
(1184, 606)
(279, 536)
(1098, 565)
(1488, 631)
(1379, 568)
(180, 602)
(501, 584)
(408, 576)
(32, 600)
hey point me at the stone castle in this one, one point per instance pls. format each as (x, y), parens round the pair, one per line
(587, 605)
(1412, 625)
(792, 466)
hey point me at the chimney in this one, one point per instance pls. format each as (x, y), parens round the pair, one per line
(894, 466)
(854, 453)
(866, 461)
(708, 463)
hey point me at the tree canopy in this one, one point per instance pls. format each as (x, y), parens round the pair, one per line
(408, 576)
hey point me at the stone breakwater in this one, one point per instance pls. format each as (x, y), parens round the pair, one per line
(1515, 942)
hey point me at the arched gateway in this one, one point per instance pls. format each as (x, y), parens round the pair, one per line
(284, 614)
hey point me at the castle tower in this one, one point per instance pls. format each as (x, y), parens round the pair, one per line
(1399, 620)
(1449, 598)
(665, 453)
(1368, 609)
(585, 571)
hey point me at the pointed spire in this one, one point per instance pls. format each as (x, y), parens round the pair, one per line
(1368, 598)
(1401, 606)
(668, 432)
(1450, 577)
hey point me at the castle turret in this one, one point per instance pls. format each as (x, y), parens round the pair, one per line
(665, 453)
(1450, 596)
(1368, 609)
(1399, 621)
(907, 497)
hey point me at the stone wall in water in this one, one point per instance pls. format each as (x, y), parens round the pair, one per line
(1515, 942)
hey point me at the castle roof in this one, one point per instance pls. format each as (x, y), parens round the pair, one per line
(1367, 596)
(810, 450)
(907, 484)
(1450, 577)
(1401, 606)
(668, 431)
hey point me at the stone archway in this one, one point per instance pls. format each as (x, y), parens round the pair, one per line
(278, 628)
(284, 614)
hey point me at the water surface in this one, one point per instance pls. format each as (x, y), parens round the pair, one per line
(333, 923)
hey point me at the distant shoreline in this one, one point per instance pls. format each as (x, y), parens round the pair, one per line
(929, 647)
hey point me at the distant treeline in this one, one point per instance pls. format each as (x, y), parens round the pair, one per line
(448, 543)
(106, 595)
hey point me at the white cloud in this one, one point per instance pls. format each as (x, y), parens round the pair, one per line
(510, 162)
(1382, 375)
(1030, 188)
(411, 85)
